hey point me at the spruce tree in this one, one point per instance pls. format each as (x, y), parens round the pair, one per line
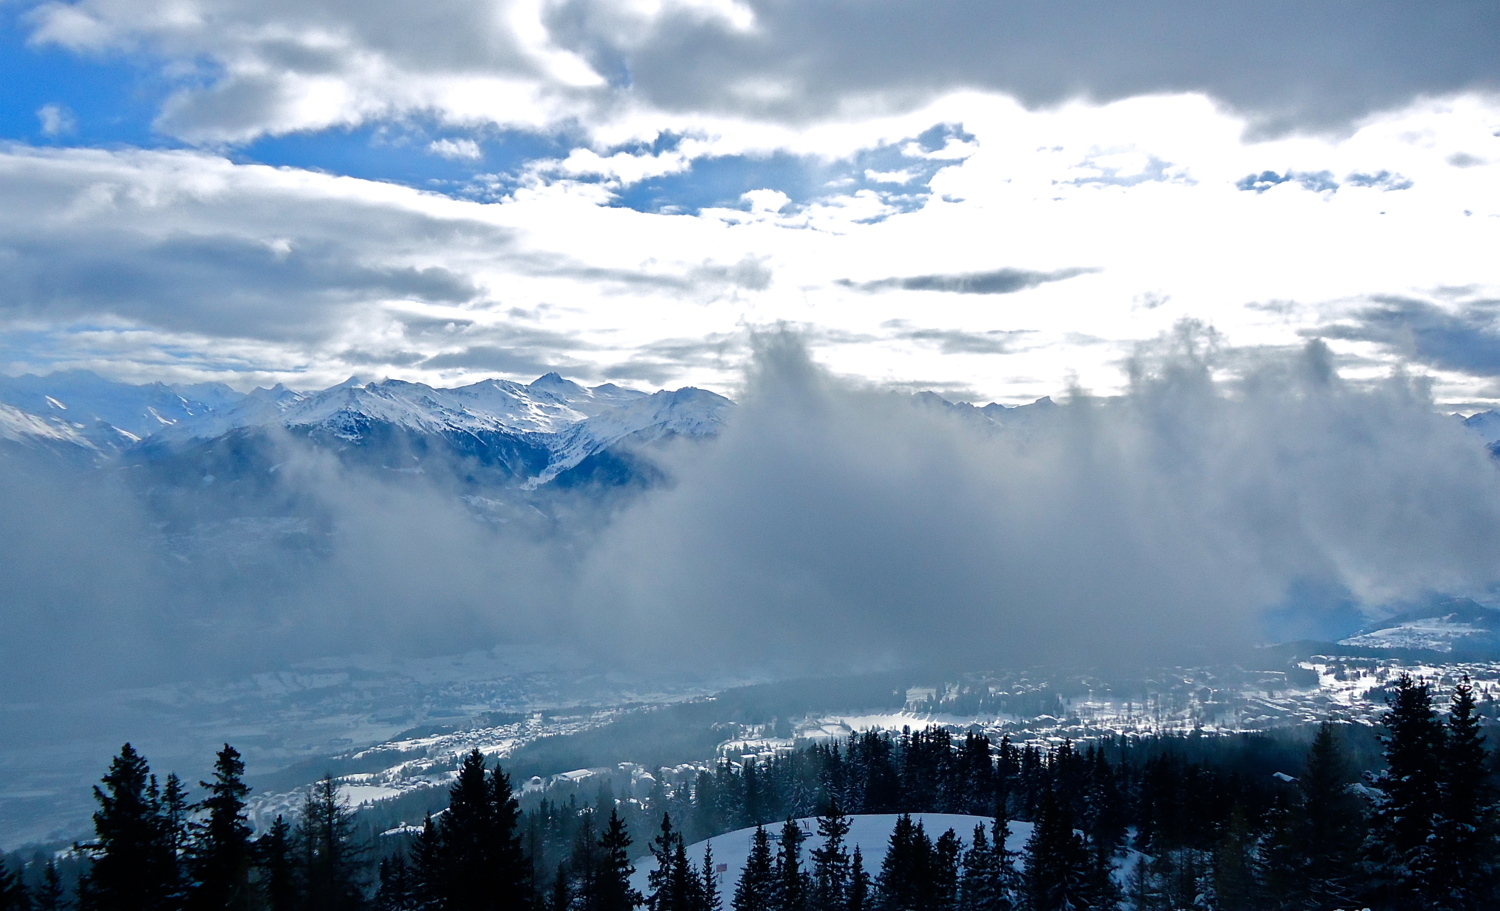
(615, 892)
(50, 896)
(134, 866)
(831, 861)
(172, 818)
(711, 899)
(1467, 848)
(905, 876)
(979, 886)
(466, 869)
(674, 883)
(687, 884)
(560, 898)
(278, 876)
(330, 862)
(1314, 856)
(221, 855)
(1007, 878)
(1057, 863)
(943, 879)
(1402, 859)
(663, 851)
(584, 863)
(756, 889)
(396, 892)
(13, 893)
(859, 884)
(793, 885)
(1235, 887)
(512, 873)
(426, 866)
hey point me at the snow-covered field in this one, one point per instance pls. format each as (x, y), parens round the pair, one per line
(872, 835)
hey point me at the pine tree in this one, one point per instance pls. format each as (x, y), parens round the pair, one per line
(1467, 849)
(711, 900)
(465, 867)
(172, 818)
(979, 887)
(663, 851)
(13, 893)
(1403, 864)
(51, 896)
(330, 862)
(396, 892)
(831, 861)
(561, 896)
(756, 889)
(134, 867)
(1235, 888)
(793, 885)
(278, 881)
(1057, 863)
(426, 866)
(905, 874)
(1314, 857)
(511, 880)
(674, 883)
(584, 862)
(220, 859)
(615, 892)
(472, 860)
(1007, 878)
(943, 879)
(859, 883)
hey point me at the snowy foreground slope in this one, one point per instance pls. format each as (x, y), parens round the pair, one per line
(871, 834)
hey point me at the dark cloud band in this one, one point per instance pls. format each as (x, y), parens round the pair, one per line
(997, 281)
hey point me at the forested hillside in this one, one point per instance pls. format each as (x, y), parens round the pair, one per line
(1241, 822)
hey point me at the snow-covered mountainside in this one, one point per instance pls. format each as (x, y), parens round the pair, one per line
(520, 435)
(85, 399)
(533, 431)
(1459, 624)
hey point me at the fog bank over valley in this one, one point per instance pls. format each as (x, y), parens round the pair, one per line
(830, 524)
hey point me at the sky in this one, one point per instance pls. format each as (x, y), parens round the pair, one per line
(996, 201)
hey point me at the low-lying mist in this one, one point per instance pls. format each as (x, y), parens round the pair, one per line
(831, 526)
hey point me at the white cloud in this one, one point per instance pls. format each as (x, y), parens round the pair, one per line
(304, 268)
(457, 149)
(56, 119)
(767, 200)
(541, 64)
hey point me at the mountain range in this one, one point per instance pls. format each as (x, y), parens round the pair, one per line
(522, 435)
(551, 432)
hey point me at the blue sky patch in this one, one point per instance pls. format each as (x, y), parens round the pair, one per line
(893, 171)
(104, 100)
(414, 154)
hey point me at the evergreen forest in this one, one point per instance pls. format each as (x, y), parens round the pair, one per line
(1233, 823)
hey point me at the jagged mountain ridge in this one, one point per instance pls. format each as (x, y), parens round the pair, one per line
(552, 430)
(534, 431)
